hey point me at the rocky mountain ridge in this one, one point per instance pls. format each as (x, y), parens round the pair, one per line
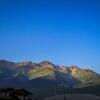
(45, 72)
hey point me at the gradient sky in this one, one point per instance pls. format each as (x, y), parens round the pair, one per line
(66, 32)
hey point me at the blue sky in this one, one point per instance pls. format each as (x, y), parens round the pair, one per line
(66, 32)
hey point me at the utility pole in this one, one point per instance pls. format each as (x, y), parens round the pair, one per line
(64, 92)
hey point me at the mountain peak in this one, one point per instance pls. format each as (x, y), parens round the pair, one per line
(47, 64)
(74, 68)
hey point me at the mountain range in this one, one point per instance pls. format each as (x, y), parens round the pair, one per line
(45, 75)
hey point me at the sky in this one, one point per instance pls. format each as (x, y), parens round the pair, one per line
(65, 32)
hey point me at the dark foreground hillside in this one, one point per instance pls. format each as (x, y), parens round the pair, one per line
(84, 93)
(86, 90)
(73, 97)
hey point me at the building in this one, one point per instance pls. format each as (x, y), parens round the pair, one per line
(22, 94)
(6, 92)
(13, 94)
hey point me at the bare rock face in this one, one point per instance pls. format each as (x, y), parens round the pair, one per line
(47, 64)
(69, 69)
(65, 69)
(74, 68)
(23, 64)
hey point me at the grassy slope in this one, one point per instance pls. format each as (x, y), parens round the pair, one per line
(42, 72)
(87, 77)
